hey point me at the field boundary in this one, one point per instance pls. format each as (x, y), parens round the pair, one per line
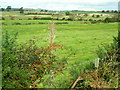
(96, 61)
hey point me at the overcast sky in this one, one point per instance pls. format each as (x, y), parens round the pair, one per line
(63, 4)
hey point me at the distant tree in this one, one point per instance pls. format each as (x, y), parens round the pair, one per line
(93, 15)
(97, 16)
(42, 10)
(46, 10)
(8, 8)
(35, 18)
(103, 11)
(70, 19)
(63, 18)
(90, 20)
(2, 9)
(112, 10)
(86, 15)
(67, 13)
(115, 11)
(113, 19)
(107, 11)
(21, 10)
(3, 18)
(107, 20)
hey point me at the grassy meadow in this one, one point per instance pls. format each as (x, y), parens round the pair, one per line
(79, 40)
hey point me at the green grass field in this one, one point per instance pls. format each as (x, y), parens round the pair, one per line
(83, 39)
(80, 41)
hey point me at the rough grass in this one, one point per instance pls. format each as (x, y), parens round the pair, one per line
(83, 39)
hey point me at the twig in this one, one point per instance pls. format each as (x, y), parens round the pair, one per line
(76, 82)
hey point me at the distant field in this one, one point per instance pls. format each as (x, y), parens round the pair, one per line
(99, 12)
(83, 39)
(15, 15)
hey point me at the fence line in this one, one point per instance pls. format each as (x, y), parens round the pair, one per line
(81, 63)
(96, 62)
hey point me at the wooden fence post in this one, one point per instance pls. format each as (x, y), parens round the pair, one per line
(97, 63)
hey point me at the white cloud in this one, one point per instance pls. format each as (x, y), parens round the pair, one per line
(62, 1)
(60, 4)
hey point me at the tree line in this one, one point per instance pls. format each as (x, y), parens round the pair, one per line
(110, 11)
(9, 8)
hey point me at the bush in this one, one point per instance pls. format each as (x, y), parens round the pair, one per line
(3, 18)
(70, 19)
(97, 16)
(109, 60)
(17, 23)
(106, 75)
(29, 18)
(90, 19)
(46, 18)
(93, 22)
(12, 76)
(93, 15)
(35, 18)
(109, 52)
(61, 23)
(67, 13)
(113, 19)
(85, 15)
(12, 18)
(24, 63)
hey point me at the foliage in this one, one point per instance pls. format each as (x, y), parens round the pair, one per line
(46, 18)
(35, 18)
(2, 9)
(106, 75)
(85, 15)
(3, 18)
(67, 13)
(24, 63)
(109, 62)
(29, 18)
(21, 10)
(109, 52)
(97, 16)
(65, 35)
(8, 8)
(42, 18)
(12, 75)
(115, 18)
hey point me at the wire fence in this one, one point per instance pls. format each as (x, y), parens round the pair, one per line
(96, 63)
(79, 64)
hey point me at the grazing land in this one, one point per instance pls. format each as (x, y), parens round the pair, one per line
(78, 32)
(82, 38)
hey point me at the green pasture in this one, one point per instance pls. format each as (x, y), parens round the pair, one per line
(81, 40)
